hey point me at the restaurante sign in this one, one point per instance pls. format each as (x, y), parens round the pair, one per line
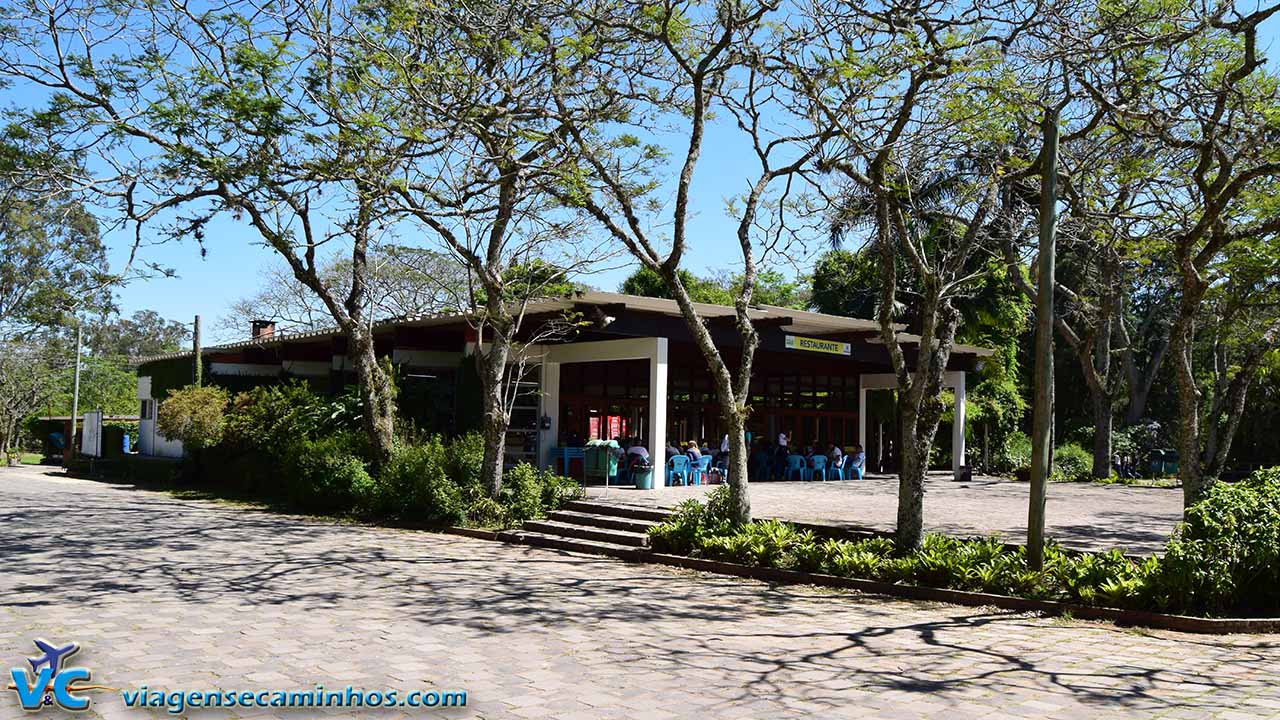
(799, 342)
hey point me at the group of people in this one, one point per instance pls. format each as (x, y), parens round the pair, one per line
(771, 461)
(768, 461)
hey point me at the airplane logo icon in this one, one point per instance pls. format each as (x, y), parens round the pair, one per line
(51, 681)
(53, 656)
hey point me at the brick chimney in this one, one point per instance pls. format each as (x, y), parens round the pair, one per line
(263, 329)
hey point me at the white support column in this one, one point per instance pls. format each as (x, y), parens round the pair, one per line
(957, 426)
(862, 416)
(550, 409)
(658, 410)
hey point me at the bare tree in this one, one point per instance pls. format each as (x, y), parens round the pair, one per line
(403, 282)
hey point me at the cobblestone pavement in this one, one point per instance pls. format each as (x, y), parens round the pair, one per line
(183, 594)
(1085, 516)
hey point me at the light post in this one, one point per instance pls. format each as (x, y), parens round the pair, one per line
(75, 392)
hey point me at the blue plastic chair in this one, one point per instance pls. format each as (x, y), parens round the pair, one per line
(795, 464)
(839, 471)
(854, 468)
(678, 465)
(699, 472)
(819, 466)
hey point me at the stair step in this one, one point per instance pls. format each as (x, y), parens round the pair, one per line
(635, 512)
(611, 522)
(587, 532)
(558, 542)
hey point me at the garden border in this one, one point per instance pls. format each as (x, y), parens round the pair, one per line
(1123, 618)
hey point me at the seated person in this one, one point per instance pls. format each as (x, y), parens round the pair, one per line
(637, 450)
(835, 455)
(858, 460)
(672, 450)
(693, 452)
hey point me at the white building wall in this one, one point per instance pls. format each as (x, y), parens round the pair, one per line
(150, 441)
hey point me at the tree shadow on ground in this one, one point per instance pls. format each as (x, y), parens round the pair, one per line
(797, 647)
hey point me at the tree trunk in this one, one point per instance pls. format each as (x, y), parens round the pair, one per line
(492, 366)
(1189, 465)
(376, 400)
(1103, 419)
(1042, 412)
(913, 465)
(736, 424)
(732, 412)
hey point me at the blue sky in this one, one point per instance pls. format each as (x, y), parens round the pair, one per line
(230, 268)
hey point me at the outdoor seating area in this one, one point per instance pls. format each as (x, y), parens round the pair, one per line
(626, 461)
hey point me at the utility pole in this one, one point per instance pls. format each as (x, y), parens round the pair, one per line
(195, 351)
(75, 401)
(1042, 412)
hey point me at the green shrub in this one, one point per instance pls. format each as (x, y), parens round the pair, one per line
(1225, 558)
(415, 486)
(1015, 455)
(1071, 463)
(986, 565)
(327, 475)
(484, 511)
(693, 523)
(522, 492)
(464, 459)
(273, 418)
(193, 415)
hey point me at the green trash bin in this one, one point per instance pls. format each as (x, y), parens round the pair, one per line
(643, 475)
(600, 460)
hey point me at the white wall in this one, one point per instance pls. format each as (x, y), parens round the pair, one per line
(150, 441)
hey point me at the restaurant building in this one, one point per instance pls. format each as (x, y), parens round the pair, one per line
(627, 368)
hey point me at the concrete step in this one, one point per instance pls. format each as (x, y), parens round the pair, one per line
(587, 532)
(605, 521)
(634, 512)
(559, 542)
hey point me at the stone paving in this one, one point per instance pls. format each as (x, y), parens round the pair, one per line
(178, 594)
(1085, 516)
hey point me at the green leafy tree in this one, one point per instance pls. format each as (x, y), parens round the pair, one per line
(29, 373)
(1210, 123)
(916, 168)
(196, 416)
(674, 65)
(258, 116)
(143, 334)
(772, 287)
(845, 283)
(473, 88)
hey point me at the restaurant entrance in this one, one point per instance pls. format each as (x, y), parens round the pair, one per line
(810, 404)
